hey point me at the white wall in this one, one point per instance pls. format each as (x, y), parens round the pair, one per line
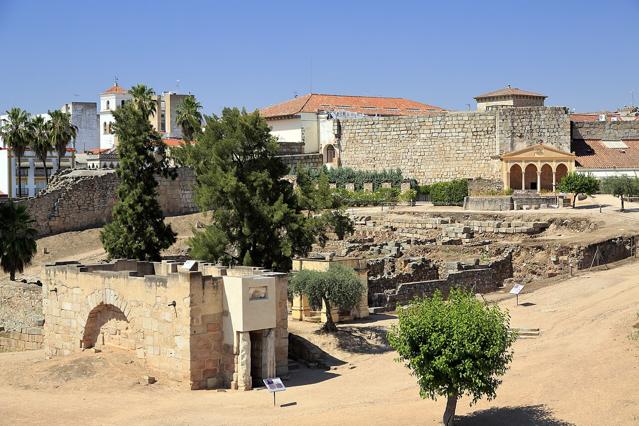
(4, 171)
(311, 132)
(107, 141)
(84, 115)
(603, 173)
(289, 130)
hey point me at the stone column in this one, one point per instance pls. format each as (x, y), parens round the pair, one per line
(269, 353)
(242, 375)
(554, 178)
(538, 181)
(301, 307)
(523, 178)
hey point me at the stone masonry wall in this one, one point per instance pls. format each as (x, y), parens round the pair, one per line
(26, 339)
(451, 145)
(613, 130)
(81, 199)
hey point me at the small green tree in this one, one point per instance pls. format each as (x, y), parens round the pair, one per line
(256, 219)
(578, 183)
(620, 186)
(17, 238)
(62, 132)
(15, 131)
(455, 347)
(337, 287)
(137, 230)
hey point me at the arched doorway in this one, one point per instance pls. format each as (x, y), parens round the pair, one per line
(546, 178)
(560, 172)
(515, 177)
(330, 154)
(107, 325)
(530, 177)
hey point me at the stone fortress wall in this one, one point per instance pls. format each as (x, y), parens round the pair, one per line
(606, 130)
(81, 199)
(451, 145)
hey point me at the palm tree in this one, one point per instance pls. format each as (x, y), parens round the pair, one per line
(62, 132)
(189, 117)
(15, 132)
(40, 142)
(144, 99)
(17, 238)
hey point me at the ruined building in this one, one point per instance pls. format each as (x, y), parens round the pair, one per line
(203, 325)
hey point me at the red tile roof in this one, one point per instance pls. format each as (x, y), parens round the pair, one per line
(368, 105)
(115, 89)
(98, 150)
(593, 154)
(594, 116)
(511, 91)
(173, 142)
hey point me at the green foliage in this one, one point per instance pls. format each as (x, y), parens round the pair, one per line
(338, 287)
(578, 183)
(189, 118)
(15, 131)
(455, 347)
(340, 223)
(17, 238)
(620, 186)
(256, 218)
(423, 190)
(343, 175)
(137, 230)
(144, 99)
(40, 142)
(61, 132)
(408, 196)
(450, 193)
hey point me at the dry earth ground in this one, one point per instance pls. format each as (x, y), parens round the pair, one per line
(583, 369)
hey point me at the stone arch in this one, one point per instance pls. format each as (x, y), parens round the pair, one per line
(107, 325)
(530, 177)
(546, 178)
(515, 177)
(330, 154)
(560, 172)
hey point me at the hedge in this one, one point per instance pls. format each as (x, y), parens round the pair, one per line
(343, 175)
(450, 193)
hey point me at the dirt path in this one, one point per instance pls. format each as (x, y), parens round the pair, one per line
(583, 369)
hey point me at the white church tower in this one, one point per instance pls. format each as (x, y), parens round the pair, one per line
(110, 100)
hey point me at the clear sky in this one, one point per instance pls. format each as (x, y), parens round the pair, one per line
(582, 54)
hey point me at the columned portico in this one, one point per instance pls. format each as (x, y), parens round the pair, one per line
(538, 168)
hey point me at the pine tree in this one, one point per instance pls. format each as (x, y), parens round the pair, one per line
(137, 230)
(256, 219)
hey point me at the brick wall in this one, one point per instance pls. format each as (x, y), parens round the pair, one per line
(450, 145)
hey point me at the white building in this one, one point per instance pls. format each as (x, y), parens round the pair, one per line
(84, 115)
(305, 124)
(110, 100)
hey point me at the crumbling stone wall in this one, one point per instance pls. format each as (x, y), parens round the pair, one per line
(81, 199)
(606, 130)
(451, 145)
(26, 339)
(20, 305)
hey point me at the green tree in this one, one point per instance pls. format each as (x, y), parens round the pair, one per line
(61, 132)
(17, 238)
(15, 130)
(137, 230)
(255, 219)
(40, 141)
(455, 347)
(338, 287)
(578, 183)
(189, 118)
(620, 186)
(144, 99)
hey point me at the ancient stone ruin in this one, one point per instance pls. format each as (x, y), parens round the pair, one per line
(202, 325)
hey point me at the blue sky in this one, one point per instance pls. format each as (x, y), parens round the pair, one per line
(582, 54)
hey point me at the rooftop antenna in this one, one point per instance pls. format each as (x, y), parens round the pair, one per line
(295, 94)
(468, 107)
(115, 80)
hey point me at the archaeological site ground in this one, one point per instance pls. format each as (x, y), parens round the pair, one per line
(576, 361)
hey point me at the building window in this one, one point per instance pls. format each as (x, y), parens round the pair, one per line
(122, 103)
(108, 105)
(110, 128)
(104, 128)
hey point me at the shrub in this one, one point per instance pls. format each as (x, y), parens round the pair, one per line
(343, 175)
(578, 183)
(450, 193)
(408, 196)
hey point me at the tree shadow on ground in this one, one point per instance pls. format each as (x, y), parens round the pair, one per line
(529, 415)
(302, 350)
(591, 206)
(308, 376)
(362, 340)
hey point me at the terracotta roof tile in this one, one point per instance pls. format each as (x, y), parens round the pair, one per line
(368, 105)
(115, 89)
(511, 91)
(173, 142)
(593, 154)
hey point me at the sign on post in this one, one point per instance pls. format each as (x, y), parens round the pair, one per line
(274, 385)
(517, 288)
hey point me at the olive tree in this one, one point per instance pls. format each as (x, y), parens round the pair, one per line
(621, 186)
(338, 287)
(454, 347)
(578, 183)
